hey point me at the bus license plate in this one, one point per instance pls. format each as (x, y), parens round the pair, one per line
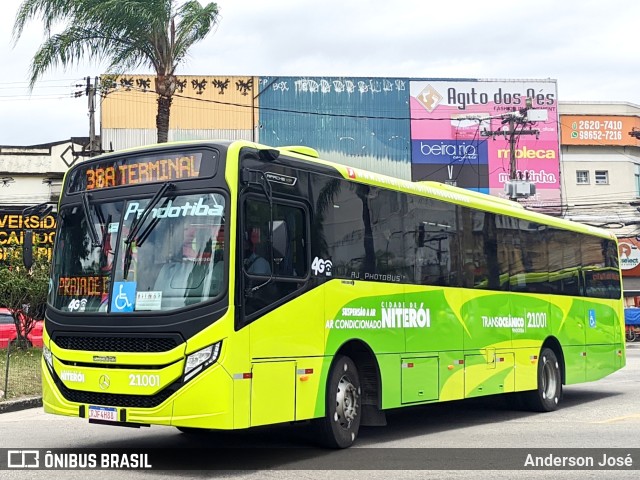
(103, 413)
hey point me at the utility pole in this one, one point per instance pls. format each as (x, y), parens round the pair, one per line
(94, 148)
(253, 106)
(513, 121)
(518, 187)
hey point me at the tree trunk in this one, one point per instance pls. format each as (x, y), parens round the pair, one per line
(162, 118)
(22, 329)
(165, 88)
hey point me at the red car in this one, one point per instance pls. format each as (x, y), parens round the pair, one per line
(8, 330)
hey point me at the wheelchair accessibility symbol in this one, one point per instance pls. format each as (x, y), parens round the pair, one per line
(592, 318)
(123, 297)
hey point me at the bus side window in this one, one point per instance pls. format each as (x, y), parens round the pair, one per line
(279, 239)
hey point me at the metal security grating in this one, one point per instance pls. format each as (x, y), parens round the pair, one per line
(115, 399)
(116, 344)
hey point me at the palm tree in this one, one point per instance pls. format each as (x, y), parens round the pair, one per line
(126, 33)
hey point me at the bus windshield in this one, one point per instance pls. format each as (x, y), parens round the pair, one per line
(174, 259)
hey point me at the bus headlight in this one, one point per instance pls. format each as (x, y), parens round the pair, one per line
(48, 357)
(198, 361)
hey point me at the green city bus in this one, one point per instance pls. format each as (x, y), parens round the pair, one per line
(226, 285)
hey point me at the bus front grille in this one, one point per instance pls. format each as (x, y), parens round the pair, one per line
(115, 344)
(115, 399)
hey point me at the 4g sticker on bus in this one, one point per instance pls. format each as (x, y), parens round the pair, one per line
(321, 266)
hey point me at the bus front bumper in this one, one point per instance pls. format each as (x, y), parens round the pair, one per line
(206, 401)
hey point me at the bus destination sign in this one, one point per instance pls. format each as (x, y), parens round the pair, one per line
(126, 171)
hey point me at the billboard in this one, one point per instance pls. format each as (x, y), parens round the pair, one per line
(13, 225)
(629, 250)
(450, 140)
(599, 130)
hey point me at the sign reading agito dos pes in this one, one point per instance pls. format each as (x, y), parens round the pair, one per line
(12, 227)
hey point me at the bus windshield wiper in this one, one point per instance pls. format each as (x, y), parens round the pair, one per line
(139, 221)
(93, 233)
(133, 236)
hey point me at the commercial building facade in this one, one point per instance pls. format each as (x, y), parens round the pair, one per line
(582, 158)
(30, 175)
(601, 176)
(414, 129)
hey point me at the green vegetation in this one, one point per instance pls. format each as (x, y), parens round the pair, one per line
(126, 34)
(22, 291)
(24, 373)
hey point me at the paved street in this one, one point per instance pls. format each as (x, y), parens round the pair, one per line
(603, 414)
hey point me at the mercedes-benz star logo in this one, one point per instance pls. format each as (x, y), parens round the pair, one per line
(104, 381)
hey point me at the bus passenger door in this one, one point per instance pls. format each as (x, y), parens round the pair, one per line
(273, 387)
(602, 325)
(601, 280)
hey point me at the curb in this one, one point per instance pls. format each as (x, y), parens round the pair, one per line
(20, 404)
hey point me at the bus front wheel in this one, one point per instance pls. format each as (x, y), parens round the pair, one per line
(340, 425)
(549, 392)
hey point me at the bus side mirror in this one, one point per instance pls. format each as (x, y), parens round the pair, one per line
(252, 177)
(27, 249)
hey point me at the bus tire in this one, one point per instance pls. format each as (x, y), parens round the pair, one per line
(343, 409)
(547, 396)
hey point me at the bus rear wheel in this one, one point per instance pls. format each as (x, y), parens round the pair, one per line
(341, 423)
(547, 396)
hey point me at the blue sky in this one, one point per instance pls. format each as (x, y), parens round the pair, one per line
(589, 47)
